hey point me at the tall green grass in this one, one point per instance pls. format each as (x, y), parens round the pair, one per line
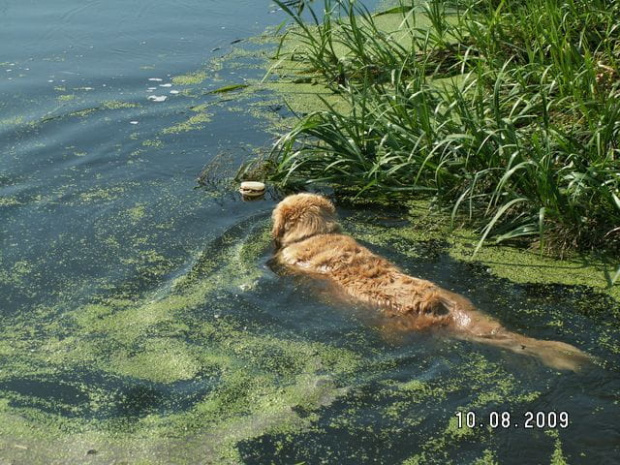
(507, 112)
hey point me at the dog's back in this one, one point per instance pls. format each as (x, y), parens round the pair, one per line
(367, 277)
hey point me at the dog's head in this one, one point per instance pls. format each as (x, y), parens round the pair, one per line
(301, 216)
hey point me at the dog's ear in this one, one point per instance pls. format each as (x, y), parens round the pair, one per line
(279, 226)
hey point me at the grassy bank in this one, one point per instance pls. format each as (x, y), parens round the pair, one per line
(506, 112)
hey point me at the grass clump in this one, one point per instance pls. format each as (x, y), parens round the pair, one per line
(507, 112)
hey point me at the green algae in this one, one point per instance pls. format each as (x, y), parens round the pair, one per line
(15, 276)
(112, 105)
(255, 378)
(492, 387)
(161, 360)
(558, 456)
(118, 105)
(15, 121)
(487, 458)
(189, 79)
(153, 143)
(137, 213)
(302, 98)
(66, 97)
(193, 123)
(83, 113)
(528, 266)
(301, 86)
(257, 381)
(9, 202)
(102, 194)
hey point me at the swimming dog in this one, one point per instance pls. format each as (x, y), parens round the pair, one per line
(309, 240)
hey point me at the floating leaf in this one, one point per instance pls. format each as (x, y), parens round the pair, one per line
(230, 88)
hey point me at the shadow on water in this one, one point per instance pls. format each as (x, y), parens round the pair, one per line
(100, 396)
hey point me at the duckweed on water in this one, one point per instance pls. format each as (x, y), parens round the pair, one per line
(153, 143)
(128, 353)
(195, 122)
(9, 202)
(118, 105)
(66, 97)
(105, 194)
(193, 362)
(137, 213)
(190, 78)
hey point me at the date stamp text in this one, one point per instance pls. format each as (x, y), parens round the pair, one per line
(504, 420)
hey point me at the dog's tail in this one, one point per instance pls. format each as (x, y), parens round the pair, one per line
(554, 354)
(473, 325)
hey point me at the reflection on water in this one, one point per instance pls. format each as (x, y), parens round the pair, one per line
(141, 322)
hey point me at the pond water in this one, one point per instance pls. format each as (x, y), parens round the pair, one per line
(140, 320)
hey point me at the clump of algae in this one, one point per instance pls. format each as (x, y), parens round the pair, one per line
(190, 78)
(193, 123)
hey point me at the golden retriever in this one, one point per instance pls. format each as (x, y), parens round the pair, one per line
(308, 240)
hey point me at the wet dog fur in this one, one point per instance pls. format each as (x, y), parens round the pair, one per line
(308, 240)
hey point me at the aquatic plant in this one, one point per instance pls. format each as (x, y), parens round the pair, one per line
(507, 112)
